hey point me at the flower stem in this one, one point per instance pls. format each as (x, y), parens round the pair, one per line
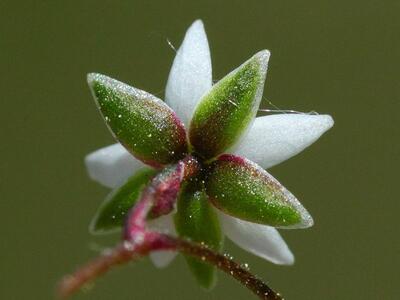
(100, 265)
(128, 251)
(230, 267)
(159, 197)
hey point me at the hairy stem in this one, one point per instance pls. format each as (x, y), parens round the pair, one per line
(230, 267)
(72, 283)
(128, 251)
(159, 196)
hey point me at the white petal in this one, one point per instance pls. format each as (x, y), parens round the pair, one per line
(164, 224)
(190, 76)
(273, 139)
(261, 240)
(111, 165)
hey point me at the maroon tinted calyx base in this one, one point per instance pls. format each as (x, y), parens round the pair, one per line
(232, 158)
(159, 196)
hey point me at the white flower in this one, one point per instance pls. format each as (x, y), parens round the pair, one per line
(270, 140)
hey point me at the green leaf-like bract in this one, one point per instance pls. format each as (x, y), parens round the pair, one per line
(113, 211)
(144, 124)
(244, 190)
(223, 114)
(197, 221)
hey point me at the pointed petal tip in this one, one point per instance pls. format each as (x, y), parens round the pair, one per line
(321, 123)
(190, 76)
(286, 258)
(327, 121)
(196, 29)
(97, 159)
(261, 240)
(197, 24)
(275, 138)
(111, 165)
(89, 161)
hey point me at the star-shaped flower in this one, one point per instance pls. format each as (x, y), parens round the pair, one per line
(230, 193)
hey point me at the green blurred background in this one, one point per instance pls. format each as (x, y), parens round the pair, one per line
(337, 57)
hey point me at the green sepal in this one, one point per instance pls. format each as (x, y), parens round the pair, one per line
(111, 215)
(142, 123)
(223, 114)
(244, 190)
(196, 220)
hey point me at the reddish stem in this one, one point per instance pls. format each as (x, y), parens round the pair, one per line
(128, 251)
(72, 283)
(159, 196)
